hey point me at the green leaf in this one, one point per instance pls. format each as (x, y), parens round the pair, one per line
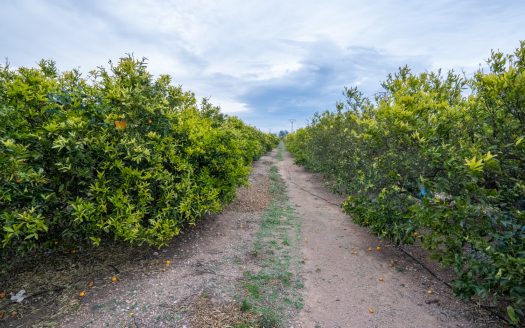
(511, 313)
(95, 240)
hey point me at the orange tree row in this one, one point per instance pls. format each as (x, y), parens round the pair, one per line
(119, 155)
(440, 159)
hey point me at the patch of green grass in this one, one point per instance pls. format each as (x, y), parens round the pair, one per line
(245, 306)
(273, 291)
(242, 325)
(296, 303)
(269, 319)
(253, 290)
(280, 150)
(278, 191)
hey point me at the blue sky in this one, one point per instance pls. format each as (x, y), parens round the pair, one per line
(264, 61)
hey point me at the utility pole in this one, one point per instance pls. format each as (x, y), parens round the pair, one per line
(291, 122)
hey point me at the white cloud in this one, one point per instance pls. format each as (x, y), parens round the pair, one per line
(230, 106)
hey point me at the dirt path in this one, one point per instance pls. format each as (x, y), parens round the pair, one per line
(353, 279)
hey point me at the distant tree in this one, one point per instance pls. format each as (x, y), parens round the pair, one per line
(282, 134)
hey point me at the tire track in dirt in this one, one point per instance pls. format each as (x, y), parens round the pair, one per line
(353, 279)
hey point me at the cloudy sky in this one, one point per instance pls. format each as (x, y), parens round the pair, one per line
(265, 61)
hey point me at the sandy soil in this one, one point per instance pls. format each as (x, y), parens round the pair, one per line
(353, 279)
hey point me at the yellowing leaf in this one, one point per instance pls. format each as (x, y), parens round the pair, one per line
(474, 164)
(488, 156)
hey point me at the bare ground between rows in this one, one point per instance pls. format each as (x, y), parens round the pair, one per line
(354, 279)
(196, 289)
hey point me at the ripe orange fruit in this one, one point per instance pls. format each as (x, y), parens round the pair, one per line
(82, 293)
(114, 279)
(168, 263)
(378, 248)
(120, 124)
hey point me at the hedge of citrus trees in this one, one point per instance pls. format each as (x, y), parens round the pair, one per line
(438, 158)
(119, 154)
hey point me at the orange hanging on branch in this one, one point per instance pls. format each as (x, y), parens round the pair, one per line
(120, 124)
